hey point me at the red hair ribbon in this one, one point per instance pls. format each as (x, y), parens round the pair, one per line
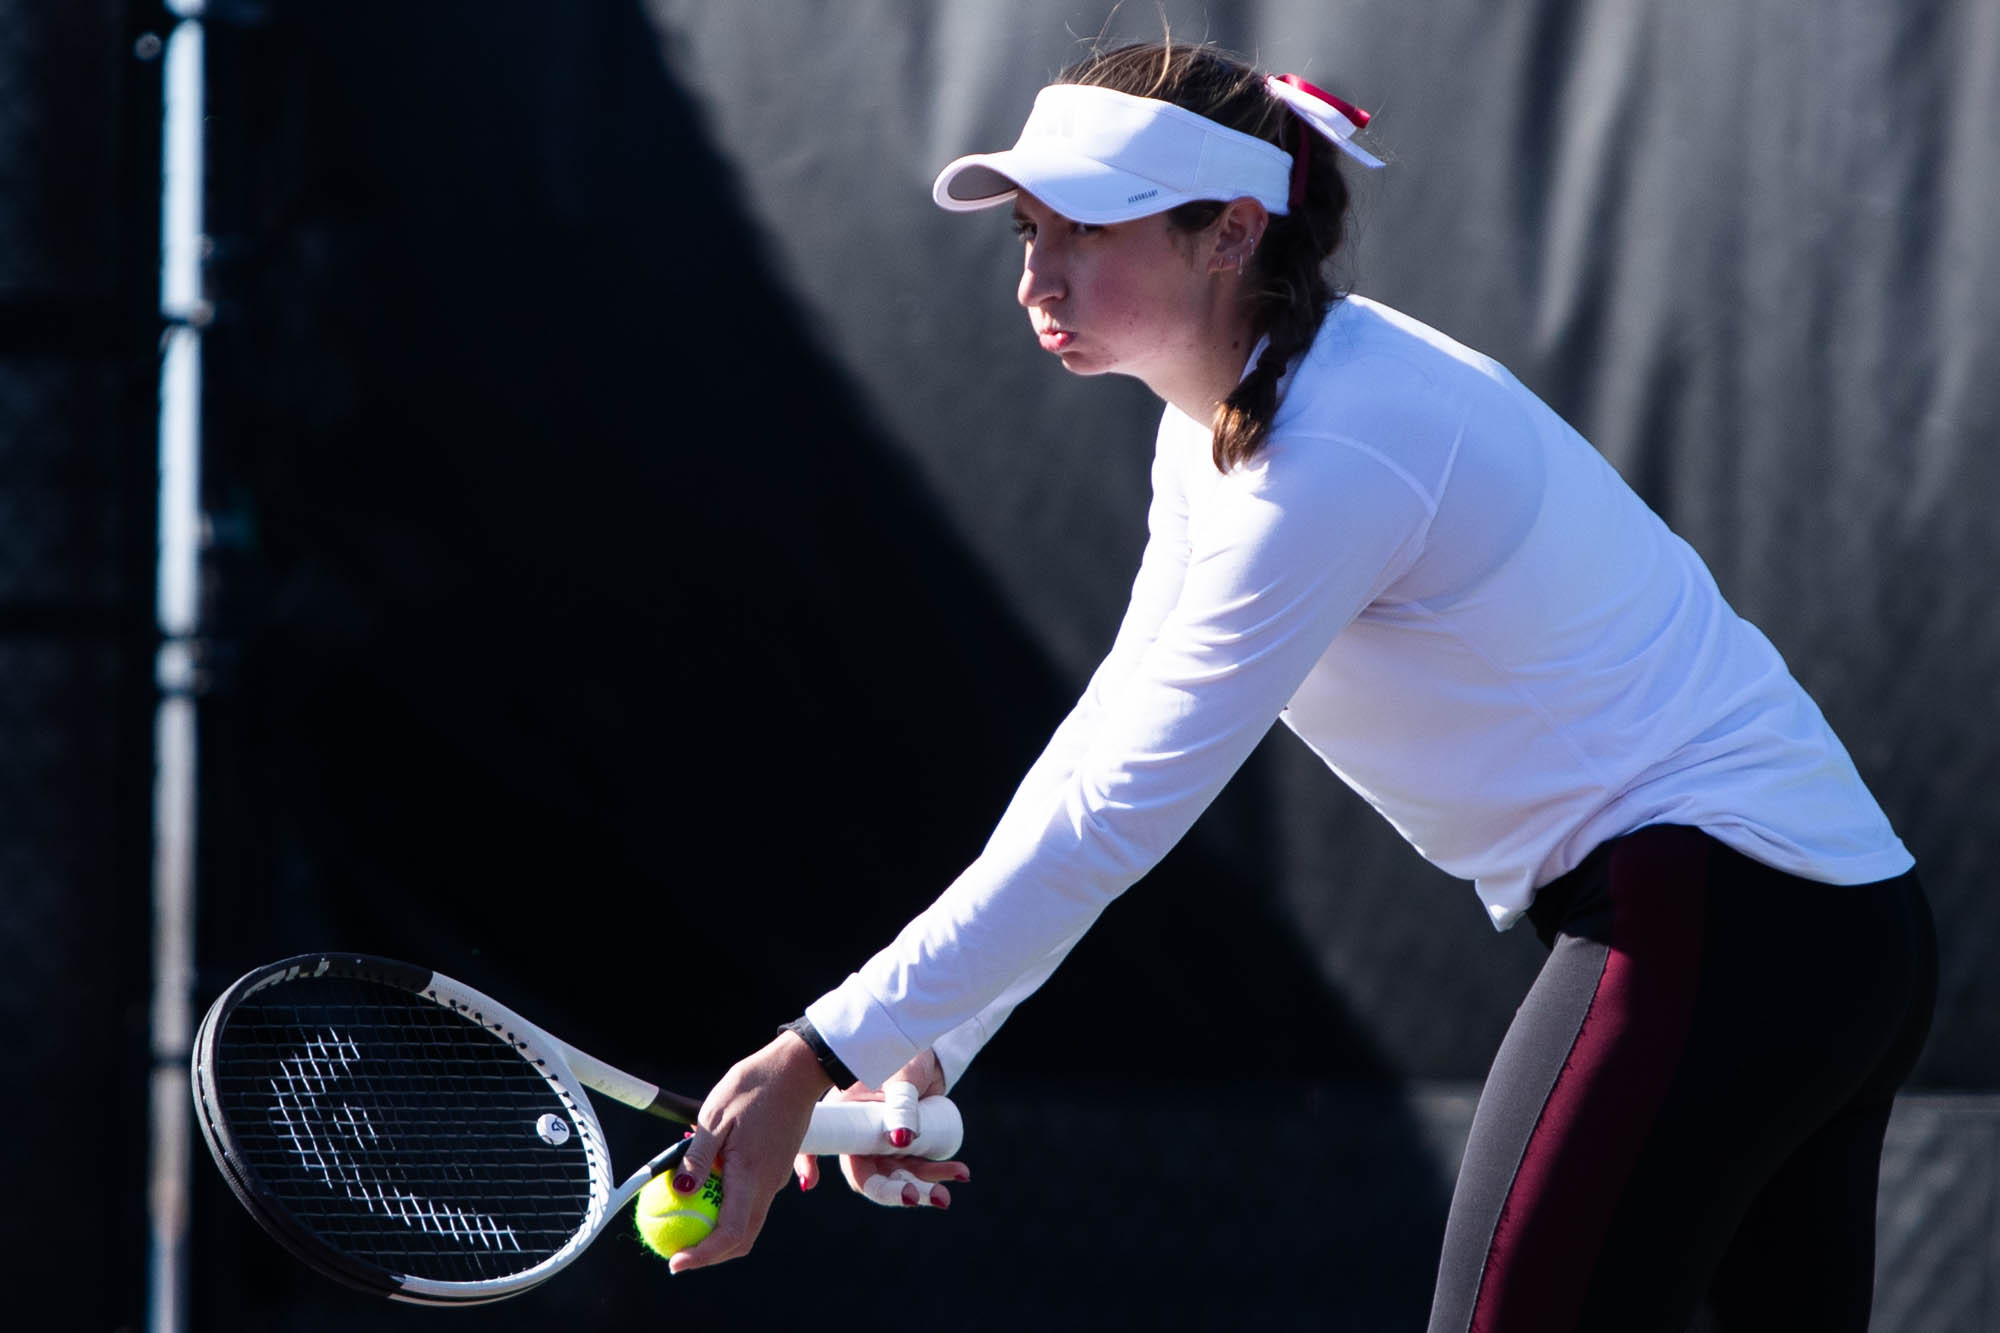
(1330, 126)
(1348, 109)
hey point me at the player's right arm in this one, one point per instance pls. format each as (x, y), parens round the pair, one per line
(1155, 589)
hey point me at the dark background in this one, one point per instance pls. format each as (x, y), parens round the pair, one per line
(647, 548)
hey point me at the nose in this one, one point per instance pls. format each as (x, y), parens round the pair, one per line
(1041, 276)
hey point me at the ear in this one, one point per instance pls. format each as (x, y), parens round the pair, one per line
(1235, 235)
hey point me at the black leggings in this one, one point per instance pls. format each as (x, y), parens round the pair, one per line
(1687, 1113)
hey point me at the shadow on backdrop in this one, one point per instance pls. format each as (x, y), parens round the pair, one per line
(577, 636)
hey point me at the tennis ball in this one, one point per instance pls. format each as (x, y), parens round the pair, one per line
(670, 1221)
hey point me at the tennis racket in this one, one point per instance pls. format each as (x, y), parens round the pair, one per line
(404, 1134)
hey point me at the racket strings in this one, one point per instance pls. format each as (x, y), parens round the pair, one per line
(403, 1134)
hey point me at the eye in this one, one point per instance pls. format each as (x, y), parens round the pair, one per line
(1026, 231)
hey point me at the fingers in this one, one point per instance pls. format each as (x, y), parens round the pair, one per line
(900, 1122)
(746, 1202)
(902, 1189)
(903, 1182)
(859, 1169)
(750, 1129)
(698, 1160)
(693, 1169)
(736, 1227)
(806, 1167)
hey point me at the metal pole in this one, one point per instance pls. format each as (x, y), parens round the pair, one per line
(177, 600)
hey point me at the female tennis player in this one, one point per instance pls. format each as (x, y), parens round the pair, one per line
(1379, 537)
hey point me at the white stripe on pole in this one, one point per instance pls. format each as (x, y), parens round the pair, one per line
(177, 601)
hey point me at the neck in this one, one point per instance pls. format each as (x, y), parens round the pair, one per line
(1198, 382)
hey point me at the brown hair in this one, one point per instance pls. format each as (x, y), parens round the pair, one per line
(1293, 290)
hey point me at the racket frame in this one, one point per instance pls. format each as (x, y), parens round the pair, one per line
(554, 1059)
(837, 1127)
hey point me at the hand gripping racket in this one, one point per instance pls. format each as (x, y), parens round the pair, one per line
(404, 1134)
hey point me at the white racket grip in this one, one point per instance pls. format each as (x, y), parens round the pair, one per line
(860, 1129)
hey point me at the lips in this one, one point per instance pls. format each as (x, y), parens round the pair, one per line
(1054, 340)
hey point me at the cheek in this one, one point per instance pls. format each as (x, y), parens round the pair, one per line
(1143, 308)
(1117, 296)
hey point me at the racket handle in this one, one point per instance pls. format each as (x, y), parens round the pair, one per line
(860, 1128)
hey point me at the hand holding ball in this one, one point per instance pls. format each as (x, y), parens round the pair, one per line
(668, 1221)
(874, 1138)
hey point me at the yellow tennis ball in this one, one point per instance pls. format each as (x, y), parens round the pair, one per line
(670, 1221)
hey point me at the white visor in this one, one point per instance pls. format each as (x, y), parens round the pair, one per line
(1098, 156)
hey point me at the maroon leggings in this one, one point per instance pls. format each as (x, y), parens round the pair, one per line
(1686, 1116)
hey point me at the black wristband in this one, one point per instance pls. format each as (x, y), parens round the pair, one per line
(841, 1075)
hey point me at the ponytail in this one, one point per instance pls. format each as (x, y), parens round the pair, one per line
(1294, 292)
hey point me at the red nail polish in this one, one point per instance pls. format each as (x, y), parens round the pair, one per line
(684, 1184)
(900, 1137)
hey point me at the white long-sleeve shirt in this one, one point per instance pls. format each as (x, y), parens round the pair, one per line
(1459, 606)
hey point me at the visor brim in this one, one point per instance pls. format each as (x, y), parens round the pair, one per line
(1080, 188)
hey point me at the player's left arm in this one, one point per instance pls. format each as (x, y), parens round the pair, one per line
(1283, 560)
(750, 1128)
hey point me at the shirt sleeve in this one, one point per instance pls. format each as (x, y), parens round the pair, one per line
(1155, 589)
(1252, 579)
(956, 1048)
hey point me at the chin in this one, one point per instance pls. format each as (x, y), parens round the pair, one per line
(1083, 365)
